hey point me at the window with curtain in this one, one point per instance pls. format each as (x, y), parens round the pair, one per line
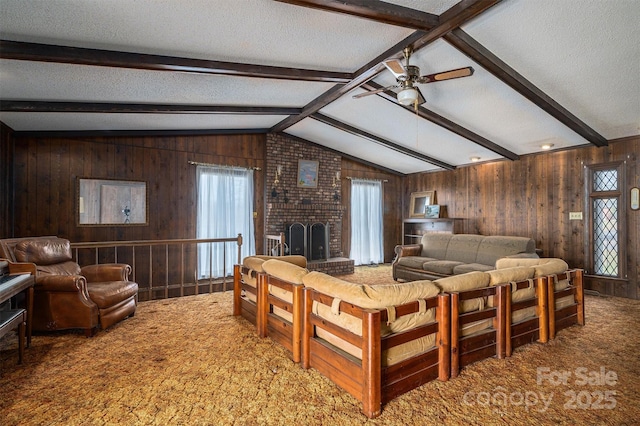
(366, 222)
(225, 209)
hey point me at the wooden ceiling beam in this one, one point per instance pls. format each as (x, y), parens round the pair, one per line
(386, 13)
(444, 123)
(68, 134)
(380, 141)
(111, 58)
(134, 108)
(452, 18)
(470, 47)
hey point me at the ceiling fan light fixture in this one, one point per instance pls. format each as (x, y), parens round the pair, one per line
(407, 96)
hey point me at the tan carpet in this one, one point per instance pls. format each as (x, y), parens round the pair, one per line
(188, 361)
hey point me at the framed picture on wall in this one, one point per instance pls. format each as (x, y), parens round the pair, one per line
(307, 173)
(420, 201)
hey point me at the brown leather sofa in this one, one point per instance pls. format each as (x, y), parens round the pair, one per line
(67, 296)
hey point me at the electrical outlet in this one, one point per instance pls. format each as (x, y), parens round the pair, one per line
(575, 215)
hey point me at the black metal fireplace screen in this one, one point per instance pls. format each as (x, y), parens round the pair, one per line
(310, 240)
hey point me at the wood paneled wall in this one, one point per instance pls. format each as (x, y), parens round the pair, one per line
(6, 183)
(533, 197)
(46, 170)
(529, 197)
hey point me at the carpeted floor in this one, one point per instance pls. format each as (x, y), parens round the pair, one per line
(188, 361)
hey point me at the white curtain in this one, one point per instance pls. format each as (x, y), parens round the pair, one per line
(366, 222)
(225, 209)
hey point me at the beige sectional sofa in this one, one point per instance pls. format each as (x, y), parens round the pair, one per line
(439, 255)
(379, 341)
(245, 283)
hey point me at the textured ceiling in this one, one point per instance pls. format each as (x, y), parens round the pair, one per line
(583, 55)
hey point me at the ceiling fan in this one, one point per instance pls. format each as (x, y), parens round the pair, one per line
(408, 75)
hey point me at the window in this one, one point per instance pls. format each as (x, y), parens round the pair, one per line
(606, 220)
(366, 222)
(225, 209)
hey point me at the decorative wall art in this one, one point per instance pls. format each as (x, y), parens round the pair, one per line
(111, 202)
(432, 211)
(420, 201)
(307, 173)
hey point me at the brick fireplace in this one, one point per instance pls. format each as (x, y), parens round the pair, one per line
(287, 203)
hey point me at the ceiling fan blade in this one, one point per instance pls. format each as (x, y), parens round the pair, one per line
(373, 92)
(395, 66)
(447, 75)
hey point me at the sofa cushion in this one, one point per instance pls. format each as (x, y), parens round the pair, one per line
(63, 268)
(515, 274)
(413, 261)
(463, 282)
(254, 263)
(464, 248)
(43, 251)
(284, 270)
(468, 281)
(507, 275)
(444, 267)
(434, 245)
(374, 297)
(471, 267)
(543, 267)
(495, 247)
(370, 296)
(108, 294)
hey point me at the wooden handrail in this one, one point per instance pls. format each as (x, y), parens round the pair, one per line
(169, 273)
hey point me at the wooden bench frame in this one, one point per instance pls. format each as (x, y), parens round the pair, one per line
(485, 343)
(366, 379)
(242, 306)
(531, 329)
(569, 315)
(288, 334)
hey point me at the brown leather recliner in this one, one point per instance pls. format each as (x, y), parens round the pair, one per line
(67, 296)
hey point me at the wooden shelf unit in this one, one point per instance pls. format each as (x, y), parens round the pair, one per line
(414, 229)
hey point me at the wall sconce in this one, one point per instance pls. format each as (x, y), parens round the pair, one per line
(336, 179)
(276, 181)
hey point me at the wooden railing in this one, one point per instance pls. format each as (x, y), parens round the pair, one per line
(274, 245)
(162, 268)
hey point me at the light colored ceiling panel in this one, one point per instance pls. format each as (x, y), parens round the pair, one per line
(313, 130)
(55, 121)
(248, 31)
(436, 7)
(582, 53)
(585, 54)
(26, 80)
(485, 105)
(391, 122)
